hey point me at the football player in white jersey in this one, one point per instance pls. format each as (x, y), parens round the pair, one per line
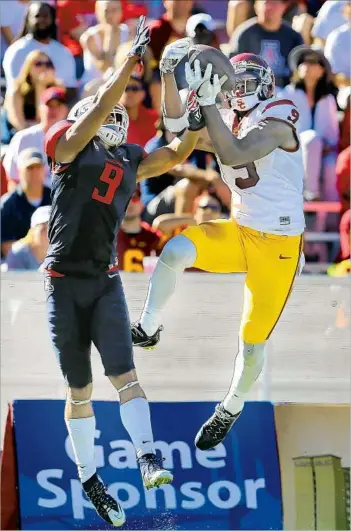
(257, 147)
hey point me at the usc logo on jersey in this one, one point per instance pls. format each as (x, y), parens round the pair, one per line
(241, 104)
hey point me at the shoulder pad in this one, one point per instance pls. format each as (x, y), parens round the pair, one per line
(53, 135)
(280, 109)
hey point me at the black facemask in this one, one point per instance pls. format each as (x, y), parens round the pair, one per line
(203, 35)
(42, 33)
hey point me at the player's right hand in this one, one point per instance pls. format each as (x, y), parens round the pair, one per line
(173, 54)
(141, 39)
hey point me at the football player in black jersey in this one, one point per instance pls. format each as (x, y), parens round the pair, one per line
(94, 175)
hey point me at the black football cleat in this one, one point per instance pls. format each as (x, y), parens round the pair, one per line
(215, 430)
(107, 507)
(141, 339)
(152, 471)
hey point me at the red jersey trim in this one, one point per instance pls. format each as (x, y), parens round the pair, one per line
(53, 273)
(53, 136)
(111, 269)
(280, 102)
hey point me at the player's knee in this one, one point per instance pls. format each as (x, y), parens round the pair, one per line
(79, 396)
(124, 379)
(179, 253)
(76, 377)
(128, 386)
(253, 353)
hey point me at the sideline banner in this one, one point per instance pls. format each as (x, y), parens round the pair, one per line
(234, 486)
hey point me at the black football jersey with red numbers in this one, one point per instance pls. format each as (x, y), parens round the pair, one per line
(89, 199)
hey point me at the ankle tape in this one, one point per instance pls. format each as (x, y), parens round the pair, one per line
(128, 386)
(78, 402)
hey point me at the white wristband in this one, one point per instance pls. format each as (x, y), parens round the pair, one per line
(175, 125)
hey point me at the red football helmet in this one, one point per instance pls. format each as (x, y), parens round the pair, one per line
(254, 82)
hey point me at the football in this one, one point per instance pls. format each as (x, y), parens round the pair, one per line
(221, 64)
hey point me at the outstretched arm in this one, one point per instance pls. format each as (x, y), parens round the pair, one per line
(259, 142)
(163, 159)
(175, 116)
(173, 110)
(74, 140)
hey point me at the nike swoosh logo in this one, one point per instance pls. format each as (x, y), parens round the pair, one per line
(284, 257)
(198, 92)
(125, 160)
(111, 276)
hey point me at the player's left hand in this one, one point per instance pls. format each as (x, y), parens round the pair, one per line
(173, 54)
(141, 39)
(206, 90)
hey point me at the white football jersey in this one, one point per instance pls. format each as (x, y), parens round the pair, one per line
(267, 194)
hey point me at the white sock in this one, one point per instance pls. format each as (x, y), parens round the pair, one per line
(248, 366)
(82, 435)
(178, 254)
(161, 287)
(135, 416)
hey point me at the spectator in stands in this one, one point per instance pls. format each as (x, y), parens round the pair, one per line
(168, 28)
(3, 179)
(312, 91)
(241, 10)
(201, 28)
(132, 10)
(136, 239)
(17, 207)
(238, 12)
(39, 33)
(338, 49)
(342, 170)
(342, 267)
(176, 190)
(53, 108)
(151, 188)
(345, 127)
(74, 17)
(101, 42)
(329, 17)
(345, 237)
(142, 121)
(23, 100)
(206, 208)
(303, 21)
(268, 36)
(11, 22)
(28, 253)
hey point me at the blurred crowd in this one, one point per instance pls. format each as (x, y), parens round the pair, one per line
(56, 52)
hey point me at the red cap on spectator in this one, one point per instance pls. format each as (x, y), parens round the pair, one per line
(54, 93)
(133, 10)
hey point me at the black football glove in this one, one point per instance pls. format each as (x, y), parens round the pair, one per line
(195, 118)
(141, 39)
